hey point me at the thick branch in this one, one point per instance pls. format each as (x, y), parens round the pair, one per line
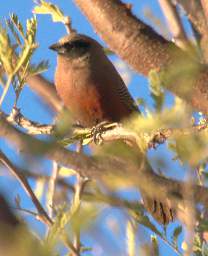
(103, 169)
(142, 48)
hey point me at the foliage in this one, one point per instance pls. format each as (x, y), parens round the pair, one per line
(44, 7)
(15, 57)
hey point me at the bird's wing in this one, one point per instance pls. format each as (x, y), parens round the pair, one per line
(126, 97)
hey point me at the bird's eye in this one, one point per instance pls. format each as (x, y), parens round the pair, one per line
(76, 48)
(78, 44)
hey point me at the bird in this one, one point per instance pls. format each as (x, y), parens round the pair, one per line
(94, 92)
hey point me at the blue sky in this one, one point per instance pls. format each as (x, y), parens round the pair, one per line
(32, 107)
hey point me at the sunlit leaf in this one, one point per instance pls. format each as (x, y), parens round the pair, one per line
(130, 238)
(66, 172)
(31, 31)
(6, 51)
(86, 141)
(15, 21)
(39, 188)
(35, 69)
(157, 93)
(14, 32)
(44, 7)
(197, 245)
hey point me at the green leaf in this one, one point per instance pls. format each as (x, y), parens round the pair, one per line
(14, 19)
(6, 51)
(35, 69)
(15, 34)
(197, 245)
(31, 31)
(44, 7)
(204, 249)
(156, 90)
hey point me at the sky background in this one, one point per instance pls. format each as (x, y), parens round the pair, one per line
(33, 108)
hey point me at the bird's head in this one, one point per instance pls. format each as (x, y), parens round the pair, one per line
(74, 45)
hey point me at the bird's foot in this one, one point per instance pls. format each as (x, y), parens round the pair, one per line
(159, 138)
(98, 130)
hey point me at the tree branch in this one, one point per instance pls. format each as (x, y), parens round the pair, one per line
(197, 18)
(174, 24)
(204, 4)
(32, 127)
(101, 168)
(143, 49)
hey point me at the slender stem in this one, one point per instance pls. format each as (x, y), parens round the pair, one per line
(52, 188)
(43, 216)
(6, 88)
(77, 198)
(174, 23)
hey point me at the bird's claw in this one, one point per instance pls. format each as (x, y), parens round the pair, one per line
(158, 139)
(98, 130)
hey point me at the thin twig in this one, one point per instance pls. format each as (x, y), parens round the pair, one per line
(43, 216)
(174, 24)
(79, 187)
(190, 220)
(32, 127)
(52, 188)
(6, 88)
(68, 25)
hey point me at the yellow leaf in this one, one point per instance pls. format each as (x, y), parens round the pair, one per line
(39, 188)
(49, 8)
(86, 141)
(66, 172)
(184, 246)
(130, 235)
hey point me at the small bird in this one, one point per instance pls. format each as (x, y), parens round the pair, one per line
(94, 92)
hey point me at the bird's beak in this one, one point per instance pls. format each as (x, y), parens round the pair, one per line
(55, 47)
